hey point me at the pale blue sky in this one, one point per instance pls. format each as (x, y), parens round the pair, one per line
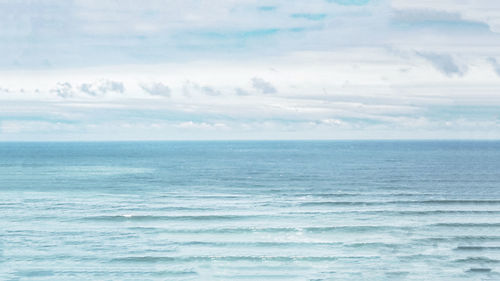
(194, 69)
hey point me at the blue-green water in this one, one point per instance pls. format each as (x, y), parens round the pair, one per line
(250, 211)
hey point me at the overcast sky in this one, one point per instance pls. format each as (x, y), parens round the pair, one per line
(244, 69)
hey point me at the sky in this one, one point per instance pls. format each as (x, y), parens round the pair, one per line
(102, 70)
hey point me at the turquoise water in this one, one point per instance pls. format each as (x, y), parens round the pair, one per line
(339, 210)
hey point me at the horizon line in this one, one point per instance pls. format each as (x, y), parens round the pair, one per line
(256, 140)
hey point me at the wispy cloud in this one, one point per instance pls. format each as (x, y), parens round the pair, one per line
(93, 89)
(263, 86)
(241, 92)
(201, 125)
(444, 63)
(314, 17)
(486, 11)
(156, 89)
(429, 18)
(63, 90)
(495, 64)
(266, 8)
(350, 2)
(102, 87)
(190, 88)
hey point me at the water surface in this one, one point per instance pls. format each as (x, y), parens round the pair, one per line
(341, 210)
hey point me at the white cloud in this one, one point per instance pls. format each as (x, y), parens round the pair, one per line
(95, 89)
(495, 65)
(201, 125)
(156, 89)
(486, 11)
(5, 90)
(263, 86)
(444, 63)
(241, 92)
(189, 88)
(64, 90)
(102, 87)
(19, 127)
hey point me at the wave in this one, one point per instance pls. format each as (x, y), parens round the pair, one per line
(156, 259)
(479, 270)
(259, 244)
(290, 244)
(399, 274)
(426, 257)
(340, 203)
(355, 194)
(375, 245)
(5, 204)
(162, 273)
(392, 202)
(169, 208)
(476, 248)
(477, 260)
(466, 238)
(35, 273)
(460, 201)
(402, 213)
(352, 228)
(230, 230)
(444, 212)
(311, 229)
(472, 224)
(201, 196)
(171, 218)
(328, 195)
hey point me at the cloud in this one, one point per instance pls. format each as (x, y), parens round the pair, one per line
(314, 17)
(484, 11)
(200, 125)
(419, 15)
(433, 18)
(209, 91)
(266, 8)
(30, 126)
(263, 86)
(332, 122)
(5, 90)
(315, 45)
(63, 90)
(156, 89)
(495, 64)
(111, 86)
(102, 87)
(94, 89)
(87, 88)
(350, 2)
(190, 87)
(111, 33)
(241, 92)
(444, 63)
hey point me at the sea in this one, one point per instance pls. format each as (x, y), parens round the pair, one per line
(250, 210)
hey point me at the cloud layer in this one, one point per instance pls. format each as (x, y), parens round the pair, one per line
(249, 69)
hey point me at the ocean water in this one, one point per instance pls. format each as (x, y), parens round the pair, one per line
(298, 210)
